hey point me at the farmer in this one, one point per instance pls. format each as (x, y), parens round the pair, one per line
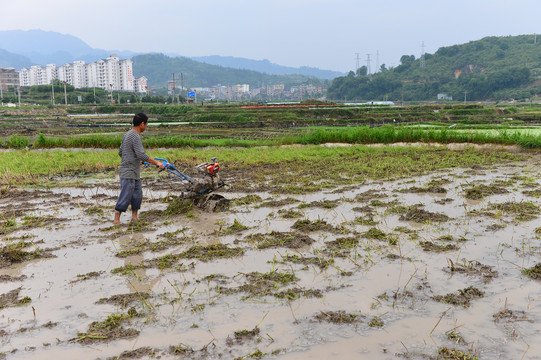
(133, 154)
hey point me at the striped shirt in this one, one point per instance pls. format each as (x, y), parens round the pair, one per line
(132, 153)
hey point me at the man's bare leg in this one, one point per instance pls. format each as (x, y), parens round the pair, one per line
(134, 215)
(117, 218)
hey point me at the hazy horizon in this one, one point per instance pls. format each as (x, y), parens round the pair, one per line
(323, 34)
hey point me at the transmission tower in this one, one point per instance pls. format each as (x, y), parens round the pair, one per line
(358, 63)
(367, 64)
(377, 60)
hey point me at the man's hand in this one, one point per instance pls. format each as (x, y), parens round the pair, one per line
(159, 164)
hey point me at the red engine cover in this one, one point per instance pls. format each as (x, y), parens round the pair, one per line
(213, 168)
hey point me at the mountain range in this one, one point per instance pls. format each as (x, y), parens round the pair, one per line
(21, 48)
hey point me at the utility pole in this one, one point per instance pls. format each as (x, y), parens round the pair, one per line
(174, 85)
(65, 94)
(465, 92)
(19, 92)
(52, 89)
(182, 84)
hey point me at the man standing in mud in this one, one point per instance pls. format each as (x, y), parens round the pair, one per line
(133, 154)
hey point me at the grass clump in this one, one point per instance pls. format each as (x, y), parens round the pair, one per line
(376, 322)
(454, 354)
(263, 284)
(95, 210)
(463, 298)
(522, 211)
(290, 213)
(415, 213)
(178, 206)
(274, 239)
(481, 191)
(241, 336)
(533, 272)
(366, 221)
(14, 253)
(306, 225)
(108, 329)
(236, 227)
(376, 234)
(337, 317)
(126, 269)
(248, 199)
(214, 251)
(431, 246)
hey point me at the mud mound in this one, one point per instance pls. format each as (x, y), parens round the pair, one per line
(533, 272)
(291, 240)
(337, 317)
(478, 192)
(418, 215)
(463, 298)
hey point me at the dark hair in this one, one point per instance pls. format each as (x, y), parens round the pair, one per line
(139, 118)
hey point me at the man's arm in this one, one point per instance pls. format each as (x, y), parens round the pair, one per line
(141, 155)
(156, 162)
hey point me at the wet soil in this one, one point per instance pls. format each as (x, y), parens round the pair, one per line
(434, 266)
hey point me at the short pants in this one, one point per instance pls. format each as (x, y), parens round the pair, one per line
(131, 193)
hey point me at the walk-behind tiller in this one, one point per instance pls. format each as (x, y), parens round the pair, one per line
(199, 189)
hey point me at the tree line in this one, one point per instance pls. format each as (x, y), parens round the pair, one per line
(495, 68)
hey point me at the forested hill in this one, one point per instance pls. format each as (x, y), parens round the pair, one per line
(159, 69)
(493, 68)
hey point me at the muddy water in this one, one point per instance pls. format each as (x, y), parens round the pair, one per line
(394, 279)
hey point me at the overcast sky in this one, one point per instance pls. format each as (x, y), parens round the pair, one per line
(326, 34)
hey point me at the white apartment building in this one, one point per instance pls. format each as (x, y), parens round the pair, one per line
(111, 74)
(37, 75)
(64, 73)
(78, 74)
(50, 73)
(126, 82)
(92, 75)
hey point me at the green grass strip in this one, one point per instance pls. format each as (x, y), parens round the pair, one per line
(526, 138)
(287, 164)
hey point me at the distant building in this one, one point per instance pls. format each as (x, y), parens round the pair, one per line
(9, 79)
(444, 97)
(109, 74)
(141, 86)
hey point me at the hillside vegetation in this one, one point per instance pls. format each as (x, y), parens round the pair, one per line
(493, 68)
(158, 68)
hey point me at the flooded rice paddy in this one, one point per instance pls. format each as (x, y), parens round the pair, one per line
(441, 266)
